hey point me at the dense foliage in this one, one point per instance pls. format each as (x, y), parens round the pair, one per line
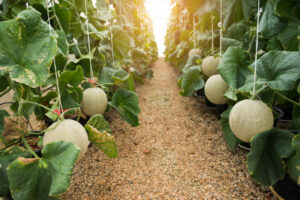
(47, 51)
(274, 152)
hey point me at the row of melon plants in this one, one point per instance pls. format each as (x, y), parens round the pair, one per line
(222, 67)
(66, 62)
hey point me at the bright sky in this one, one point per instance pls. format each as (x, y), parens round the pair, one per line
(159, 11)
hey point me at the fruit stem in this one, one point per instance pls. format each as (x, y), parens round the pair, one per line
(29, 148)
(288, 99)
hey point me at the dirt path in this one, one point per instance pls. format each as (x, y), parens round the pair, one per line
(177, 153)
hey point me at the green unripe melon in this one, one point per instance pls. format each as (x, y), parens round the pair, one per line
(215, 88)
(68, 131)
(94, 101)
(210, 65)
(250, 117)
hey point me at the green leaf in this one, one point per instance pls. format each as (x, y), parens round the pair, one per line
(234, 70)
(192, 81)
(26, 48)
(271, 24)
(127, 104)
(293, 163)
(99, 133)
(265, 159)
(105, 76)
(64, 16)
(121, 42)
(3, 114)
(289, 36)
(6, 158)
(279, 70)
(73, 78)
(43, 178)
(231, 140)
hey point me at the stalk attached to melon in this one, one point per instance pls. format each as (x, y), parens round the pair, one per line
(94, 101)
(215, 88)
(210, 65)
(250, 117)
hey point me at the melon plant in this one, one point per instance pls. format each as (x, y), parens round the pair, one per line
(68, 131)
(215, 88)
(210, 65)
(94, 101)
(250, 117)
(195, 52)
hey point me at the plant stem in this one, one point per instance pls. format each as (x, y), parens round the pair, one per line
(286, 98)
(37, 104)
(5, 91)
(29, 148)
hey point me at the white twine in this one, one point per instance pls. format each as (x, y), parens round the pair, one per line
(89, 44)
(259, 10)
(221, 26)
(111, 39)
(194, 24)
(54, 62)
(212, 34)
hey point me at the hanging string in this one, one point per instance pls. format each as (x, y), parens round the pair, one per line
(194, 24)
(54, 62)
(88, 38)
(221, 26)
(212, 34)
(259, 11)
(111, 38)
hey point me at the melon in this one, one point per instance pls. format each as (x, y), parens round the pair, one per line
(215, 88)
(68, 131)
(250, 117)
(94, 101)
(195, 52)
(210, 65)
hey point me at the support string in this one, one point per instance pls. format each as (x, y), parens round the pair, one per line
(111, 39)
(259, 10)
(194, 24)
(212, 34)
(54, 62)
(88, 38)
(221, 26)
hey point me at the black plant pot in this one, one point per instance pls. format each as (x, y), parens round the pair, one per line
(286, 189)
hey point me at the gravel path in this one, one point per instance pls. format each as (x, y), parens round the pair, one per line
(178, 152)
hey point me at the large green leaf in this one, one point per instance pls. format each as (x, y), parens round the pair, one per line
(234, 70)
(99, 133)
(242, 10)
(121, 42)
(6, 158)
(231, 140)
(293, 163)
(127, 104)
(43, 178)
(3, 114)
(265, 160)
(192, 81)
(289, 36)
(270, 24)
(280, 70)
(26, 48)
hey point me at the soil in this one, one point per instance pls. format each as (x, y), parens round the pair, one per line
(178, 152)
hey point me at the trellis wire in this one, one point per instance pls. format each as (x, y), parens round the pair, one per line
(54, 62)
(259, 10)
(88, 38)
(111, 39)
(221, 26)
(194, 26)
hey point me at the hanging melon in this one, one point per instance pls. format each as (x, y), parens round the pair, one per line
(250, 117)
(215, 88)
(210, 65)
(195, 52)
(94, 101)
(68, 131)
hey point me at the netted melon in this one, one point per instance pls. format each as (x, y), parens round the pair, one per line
(195, 52)
(210, 65)
(215, 88)
(250, 117)
(94, 101)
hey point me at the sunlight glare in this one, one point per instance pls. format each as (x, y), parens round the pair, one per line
(159, 11)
